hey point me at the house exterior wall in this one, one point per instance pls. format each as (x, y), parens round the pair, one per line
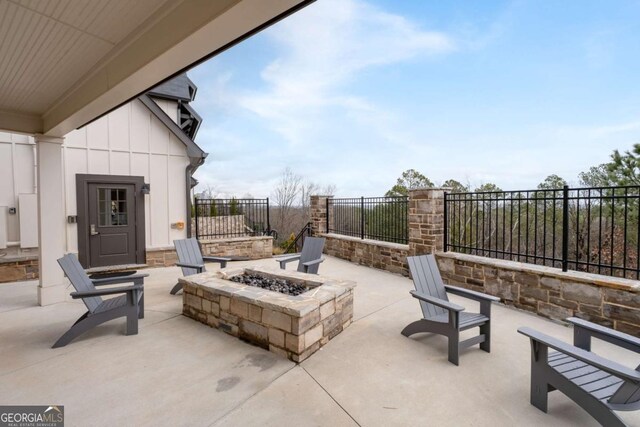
(17, 176)
(127, 141)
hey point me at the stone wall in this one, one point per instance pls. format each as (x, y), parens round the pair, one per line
(371, 253)
(426, 221)
(26, 268)
(318, 211)
(245, 247)
(249, 247)
(547, 291)
(16, 270)
(163, 257)
(426, 233)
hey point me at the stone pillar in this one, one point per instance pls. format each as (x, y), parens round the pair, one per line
(51, 219)
(426, 221)
(318, 209)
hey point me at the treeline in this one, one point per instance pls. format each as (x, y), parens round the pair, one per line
(602, 218)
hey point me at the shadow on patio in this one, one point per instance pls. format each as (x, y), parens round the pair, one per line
(177, 371)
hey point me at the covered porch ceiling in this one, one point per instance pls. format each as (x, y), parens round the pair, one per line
(64, 63)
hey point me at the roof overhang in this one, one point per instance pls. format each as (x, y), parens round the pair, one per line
(174, 37)
(194, 152)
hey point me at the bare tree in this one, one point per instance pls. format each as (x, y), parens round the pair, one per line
(285, 195)
(310, 188)
(208, 192)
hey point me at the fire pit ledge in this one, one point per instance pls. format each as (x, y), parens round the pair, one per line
(292, 326)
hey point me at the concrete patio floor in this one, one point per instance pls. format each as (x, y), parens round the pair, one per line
(179, 372)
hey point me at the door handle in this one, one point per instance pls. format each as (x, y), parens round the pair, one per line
(93, 230)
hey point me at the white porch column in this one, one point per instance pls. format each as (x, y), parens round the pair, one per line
(51, 219)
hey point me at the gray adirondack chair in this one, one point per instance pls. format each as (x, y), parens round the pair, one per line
(129, 305)
(442, 316)
(600, 386)
(309, 259)
(191, 260)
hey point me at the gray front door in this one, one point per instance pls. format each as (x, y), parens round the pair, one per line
(112, 224)
(111, 218)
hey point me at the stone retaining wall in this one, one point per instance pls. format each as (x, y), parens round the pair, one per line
(19, 270)
(371, 253)
(549, 292)
(163, 257)
(251, 247)
(16, 270)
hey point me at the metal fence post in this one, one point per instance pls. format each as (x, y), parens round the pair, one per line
(268, 219)
(327, 212)
(195, 203)
(565, 227)
(362, 217)
(445, 222)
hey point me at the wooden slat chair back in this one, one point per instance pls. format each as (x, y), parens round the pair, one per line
(188, 251)
(428, 281)
(311, 250)
(79, 279)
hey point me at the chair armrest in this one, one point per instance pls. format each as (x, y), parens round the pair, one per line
(315, 261)
(467, 293)
(588, 357)
(106, 291)
(289, 258)
(437, 301)
(283, 261)
(221, 260)
(590, 329)
(216, 259)
(198, 267)
(119, 279)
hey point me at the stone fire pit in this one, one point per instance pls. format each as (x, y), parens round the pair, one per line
(292, 326)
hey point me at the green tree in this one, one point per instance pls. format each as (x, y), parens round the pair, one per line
(234, 209)
(552, 182)
(596, 176)
(409, 180)
(455, 186)
(213, 211)
(624, 169)
(488, 186)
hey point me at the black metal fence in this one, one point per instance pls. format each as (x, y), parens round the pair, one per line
(223, 218)
(377, 218)
(594, 229)
(297, 243)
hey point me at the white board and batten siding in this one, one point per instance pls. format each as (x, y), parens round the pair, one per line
(127, 141)
(17, 176)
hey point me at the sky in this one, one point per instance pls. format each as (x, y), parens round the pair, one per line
(354, 92)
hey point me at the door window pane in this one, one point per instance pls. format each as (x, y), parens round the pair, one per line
(112, 207)
(103, 217)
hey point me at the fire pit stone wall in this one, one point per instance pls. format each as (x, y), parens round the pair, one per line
(292, 326)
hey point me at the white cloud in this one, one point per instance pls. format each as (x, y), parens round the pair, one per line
(305, 101)
(324, 47)
(308, 108)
